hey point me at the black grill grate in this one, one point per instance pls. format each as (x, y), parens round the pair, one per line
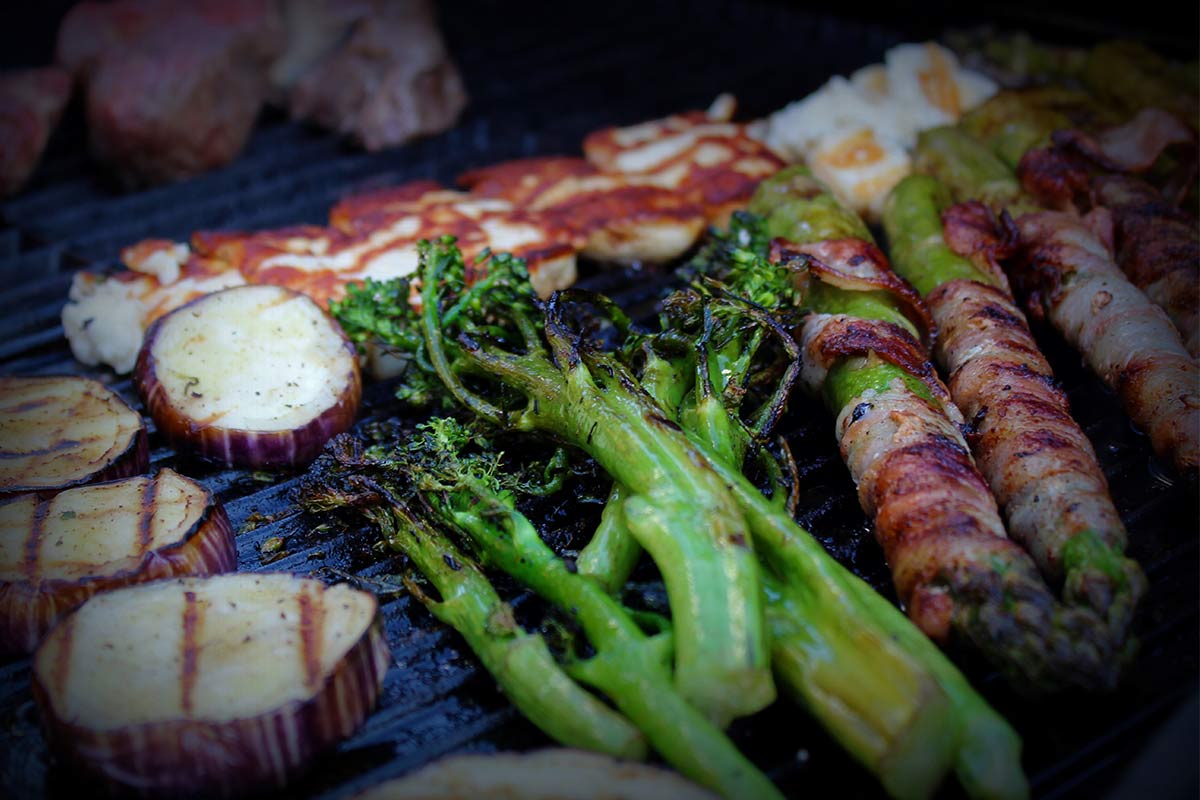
(537, 88)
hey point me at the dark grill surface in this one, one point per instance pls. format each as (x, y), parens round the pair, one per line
(537, 88)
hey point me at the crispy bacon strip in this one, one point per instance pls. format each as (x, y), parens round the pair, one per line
(1131, 147)
(1070, 277)
(1055, 176)
(1158, 248)
(858, 265)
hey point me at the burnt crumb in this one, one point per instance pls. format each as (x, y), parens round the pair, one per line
(860, 411)
(971, 428)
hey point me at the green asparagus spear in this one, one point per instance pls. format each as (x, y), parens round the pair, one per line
(969, 169)
(1131, 76)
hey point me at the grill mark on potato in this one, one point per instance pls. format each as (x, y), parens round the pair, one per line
(310, 629)
(187, 676)
(146, 516)
(33, 543)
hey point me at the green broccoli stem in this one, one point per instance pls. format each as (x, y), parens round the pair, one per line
(826, 649)
(520, 662)
(629, 666)
(681, 514)
(970, 169)
(612, 553)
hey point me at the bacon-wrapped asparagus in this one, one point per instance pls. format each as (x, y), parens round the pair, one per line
(1066, 273)
(1039, 464)
(957, 573)
(1057, 140)
(1158, 248)
(1070, 277)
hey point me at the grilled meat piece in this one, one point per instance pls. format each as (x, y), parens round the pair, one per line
(390, 82)
(31, 102)
(173, 88)
(614, 217)
(1069, 276)
(315, 28)
(1158, 248)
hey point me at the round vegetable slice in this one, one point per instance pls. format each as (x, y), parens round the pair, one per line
(56, 552)
(553, 774)
(62, 431)
(209, 687)
(253, 376)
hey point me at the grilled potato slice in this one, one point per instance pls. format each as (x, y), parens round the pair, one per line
(254, 376)
(209, 687)
(63, 431)
(56, 552)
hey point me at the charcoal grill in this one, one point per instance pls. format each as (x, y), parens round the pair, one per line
(537, 87)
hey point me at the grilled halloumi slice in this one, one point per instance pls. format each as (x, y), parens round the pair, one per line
(612, 217)
(702, 156)
(374, 236)
(106, 315)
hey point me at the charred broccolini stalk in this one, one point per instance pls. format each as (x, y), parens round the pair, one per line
(512, 362)
(521, 662)
(451, 478)
(1039, 464)
(957, 572)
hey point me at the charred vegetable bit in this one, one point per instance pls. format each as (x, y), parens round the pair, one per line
(450, 477)
(512, 362)
(1039, 464)
(953, 565)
